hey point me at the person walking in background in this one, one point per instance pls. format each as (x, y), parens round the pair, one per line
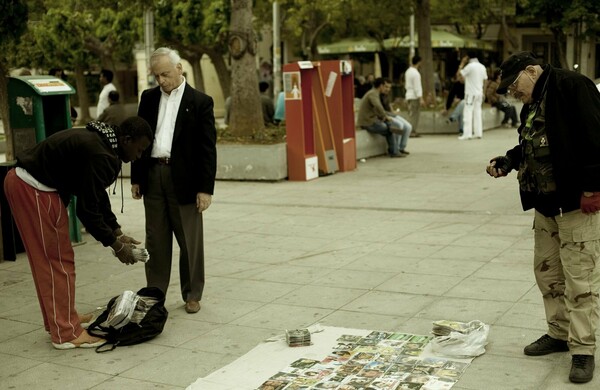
(373, 118)
(474, 74)
(106, 78)
(499, 101)
(176, 175)
(83, 163)
(268, 108)
(558, 163)
(414, 94)
(115, 113)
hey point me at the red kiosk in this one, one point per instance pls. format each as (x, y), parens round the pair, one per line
(319, 118)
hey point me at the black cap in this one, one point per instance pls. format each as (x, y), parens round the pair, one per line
(512, 66)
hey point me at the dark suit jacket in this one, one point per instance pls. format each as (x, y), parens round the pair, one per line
(193, 152)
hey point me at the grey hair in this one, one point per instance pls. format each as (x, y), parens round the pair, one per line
(166, 51)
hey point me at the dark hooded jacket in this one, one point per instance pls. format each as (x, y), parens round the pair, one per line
(81, 163)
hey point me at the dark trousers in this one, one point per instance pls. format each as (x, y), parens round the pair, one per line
(165, 218)
(510, 112)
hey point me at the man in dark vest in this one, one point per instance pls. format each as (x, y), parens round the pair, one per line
(558, 160)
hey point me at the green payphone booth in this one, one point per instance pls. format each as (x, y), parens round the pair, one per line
(39, 106)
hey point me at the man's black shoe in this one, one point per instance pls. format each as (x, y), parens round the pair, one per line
(582, 368)
(398, 155)
(545, 345)
(404, 152)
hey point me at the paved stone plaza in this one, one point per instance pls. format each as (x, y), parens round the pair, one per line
(392, 246)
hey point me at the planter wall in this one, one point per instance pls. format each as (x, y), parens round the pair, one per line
(252, 162)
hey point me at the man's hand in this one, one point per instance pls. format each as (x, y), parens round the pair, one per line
(135, 191)
(203, 201)
(124, 252)
(499, 166)
(590, 202)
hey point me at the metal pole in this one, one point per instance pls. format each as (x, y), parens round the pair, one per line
(276, 50)
(411, 52)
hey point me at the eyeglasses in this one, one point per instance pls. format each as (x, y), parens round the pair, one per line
(511, 87)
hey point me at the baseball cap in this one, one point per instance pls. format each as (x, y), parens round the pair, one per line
(512, 66)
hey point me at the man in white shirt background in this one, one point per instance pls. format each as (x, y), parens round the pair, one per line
(414, 94)
(474, 74)
(106, 78)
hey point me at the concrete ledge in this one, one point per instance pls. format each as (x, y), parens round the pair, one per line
(433, 122)
(369, 144)
(252, 162)
(430, 122)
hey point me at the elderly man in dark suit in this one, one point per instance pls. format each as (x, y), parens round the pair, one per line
(176, 175)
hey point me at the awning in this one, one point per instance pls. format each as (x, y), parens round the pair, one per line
(350, 45)
(439, 39)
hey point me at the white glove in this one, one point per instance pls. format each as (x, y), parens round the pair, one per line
(141, 254)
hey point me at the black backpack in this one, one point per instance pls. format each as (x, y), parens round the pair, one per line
(149, 327)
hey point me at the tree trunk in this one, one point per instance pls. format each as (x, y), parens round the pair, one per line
(223, 73)
(559, 38)
(5, 112)
(424, 30)
(112, 67)
(245, 115)
(82, 93)
(197, 71)
(508, 37)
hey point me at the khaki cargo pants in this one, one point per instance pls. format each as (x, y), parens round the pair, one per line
(567, 250)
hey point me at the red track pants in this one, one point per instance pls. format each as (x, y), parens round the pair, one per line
(42, 220)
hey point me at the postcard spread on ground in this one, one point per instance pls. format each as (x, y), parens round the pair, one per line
(343, 359)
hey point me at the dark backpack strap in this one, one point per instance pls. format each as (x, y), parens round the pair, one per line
(107, 347)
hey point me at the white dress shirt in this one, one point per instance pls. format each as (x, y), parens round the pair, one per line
(165, 126)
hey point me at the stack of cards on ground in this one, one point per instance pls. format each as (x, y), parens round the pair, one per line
(444, 327)
(297, 337)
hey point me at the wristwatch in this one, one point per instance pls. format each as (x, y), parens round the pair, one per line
(588, 194)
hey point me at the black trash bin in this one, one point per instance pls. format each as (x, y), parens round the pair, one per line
(12, 243)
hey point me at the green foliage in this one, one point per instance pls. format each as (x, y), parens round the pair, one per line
(338, 18)
(61, 34)
(118, 29)
(13, 20)
(193, 23)
(562, 15)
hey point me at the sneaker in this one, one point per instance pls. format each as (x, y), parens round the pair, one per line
(582, 368)
(545, 345)
(463, 138)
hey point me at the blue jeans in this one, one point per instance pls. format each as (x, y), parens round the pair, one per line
(382, 128)
(510, 112)
(457, 114)
(404, 125)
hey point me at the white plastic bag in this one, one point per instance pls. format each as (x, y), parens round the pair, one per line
(462, 345)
